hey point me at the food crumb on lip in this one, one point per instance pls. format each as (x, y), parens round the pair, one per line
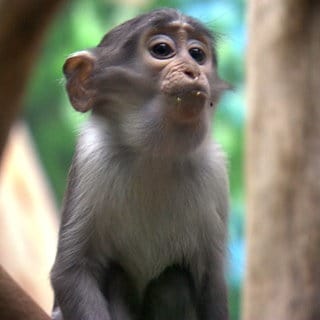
(198, 93)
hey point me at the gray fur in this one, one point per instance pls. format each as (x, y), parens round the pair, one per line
(156, 211)
(144, 193)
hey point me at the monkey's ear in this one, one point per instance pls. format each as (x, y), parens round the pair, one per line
(77, 70)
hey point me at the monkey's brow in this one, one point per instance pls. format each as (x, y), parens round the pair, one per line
(194, 30)
(165, 22)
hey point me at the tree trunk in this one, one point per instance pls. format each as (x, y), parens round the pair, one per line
(283, 161)
(23, 23)
(15, 304)
(28, 219)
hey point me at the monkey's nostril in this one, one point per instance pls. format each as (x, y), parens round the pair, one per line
(190, 74)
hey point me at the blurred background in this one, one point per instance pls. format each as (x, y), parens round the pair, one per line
(50, 123)
(281, 117)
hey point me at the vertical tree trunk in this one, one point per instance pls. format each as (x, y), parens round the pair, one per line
(22, 27)
(283, 161)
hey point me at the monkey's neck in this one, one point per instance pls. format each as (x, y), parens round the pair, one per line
(164, 148)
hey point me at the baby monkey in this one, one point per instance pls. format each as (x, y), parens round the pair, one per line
(143, 229)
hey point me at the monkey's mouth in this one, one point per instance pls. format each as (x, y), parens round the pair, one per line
(188, 105)
(192, 90)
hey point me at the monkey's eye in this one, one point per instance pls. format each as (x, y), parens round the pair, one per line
(197, 54)
(162, 51)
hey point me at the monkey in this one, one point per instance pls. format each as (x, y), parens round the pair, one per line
(144, 219)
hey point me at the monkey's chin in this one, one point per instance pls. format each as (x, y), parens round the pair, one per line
(188, 107)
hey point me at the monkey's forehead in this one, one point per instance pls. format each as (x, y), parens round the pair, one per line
(177, 26)
(157, 20)
(178, 20)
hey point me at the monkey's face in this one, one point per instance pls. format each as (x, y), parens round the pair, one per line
(179, 60)
(154, 77)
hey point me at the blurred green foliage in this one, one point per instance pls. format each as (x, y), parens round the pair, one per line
(81, 24)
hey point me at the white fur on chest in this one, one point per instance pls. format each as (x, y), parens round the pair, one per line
(148, 215)
(150, 224)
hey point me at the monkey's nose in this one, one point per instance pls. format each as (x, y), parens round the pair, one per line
(192, 74)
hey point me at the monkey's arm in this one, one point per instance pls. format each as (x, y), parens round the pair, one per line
(78, 295)
(214, 294)
(73, 275)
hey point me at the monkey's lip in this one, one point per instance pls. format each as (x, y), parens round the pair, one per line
(188, 104)
(196, 91)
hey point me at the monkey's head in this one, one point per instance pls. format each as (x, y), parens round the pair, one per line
(153, 78)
